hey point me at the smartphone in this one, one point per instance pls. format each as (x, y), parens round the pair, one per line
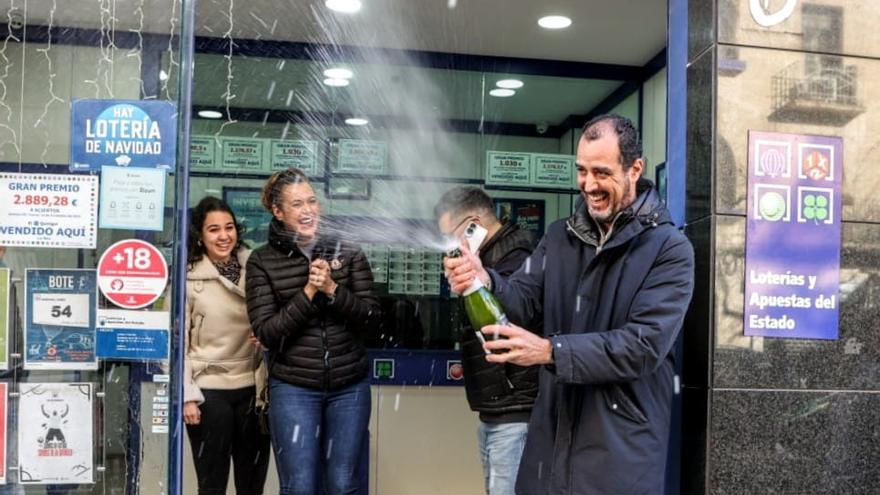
(475, 234)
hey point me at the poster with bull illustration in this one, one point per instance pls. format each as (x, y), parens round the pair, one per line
(55, 434)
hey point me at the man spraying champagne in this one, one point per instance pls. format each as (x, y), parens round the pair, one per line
(502, 394)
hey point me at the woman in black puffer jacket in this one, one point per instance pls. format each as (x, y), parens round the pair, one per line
(310, 301)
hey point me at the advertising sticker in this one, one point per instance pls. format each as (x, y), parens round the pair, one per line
(132, 274)
(132, 198)
(133, 335)
(59, 329)
(55, 440)
(48, 210)
(553, 170)
(300, 154)
(242, 153)
(126, 133)
(508, 169)
(202, 153)
(361, 156)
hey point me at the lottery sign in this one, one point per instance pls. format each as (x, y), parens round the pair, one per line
(59, 328)
(132, 274)
(48, 210)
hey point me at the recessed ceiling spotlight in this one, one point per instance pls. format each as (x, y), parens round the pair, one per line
(502, 92)
(210, 114)
(344, 6)
(509, 84)
(338, 73)
(554, 22)
(336, 83)
(356, 121)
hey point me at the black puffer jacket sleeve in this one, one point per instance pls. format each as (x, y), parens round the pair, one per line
(270, 320)
(354, 297)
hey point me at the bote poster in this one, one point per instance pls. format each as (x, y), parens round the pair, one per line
(55, 434)
(60, 319)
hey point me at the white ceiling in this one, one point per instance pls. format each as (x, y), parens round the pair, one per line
(622, 32)
(627, 32)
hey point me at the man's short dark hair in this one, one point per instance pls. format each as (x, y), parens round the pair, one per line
(463, 199)
(628, 140)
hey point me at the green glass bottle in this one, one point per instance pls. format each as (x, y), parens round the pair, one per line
(482, 306)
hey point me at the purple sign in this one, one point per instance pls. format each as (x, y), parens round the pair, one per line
(793, 235)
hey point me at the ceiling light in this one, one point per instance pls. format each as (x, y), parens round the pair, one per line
(344, 6)
(210, 114)
(509, 84)
(336, 83)
(554, 22)
(502, 92)
(338, 73)
(356, 121)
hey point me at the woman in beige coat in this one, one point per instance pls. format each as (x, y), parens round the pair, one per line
(223, 357)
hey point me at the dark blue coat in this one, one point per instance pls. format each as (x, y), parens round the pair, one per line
(612, 309)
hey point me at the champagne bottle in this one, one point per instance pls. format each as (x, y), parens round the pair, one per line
(482, 306)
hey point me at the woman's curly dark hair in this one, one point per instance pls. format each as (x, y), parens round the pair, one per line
(194, 248)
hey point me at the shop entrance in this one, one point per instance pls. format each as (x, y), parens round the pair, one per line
(386, 108)
(384, 105)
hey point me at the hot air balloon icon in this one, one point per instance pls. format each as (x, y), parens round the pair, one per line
(773, 163)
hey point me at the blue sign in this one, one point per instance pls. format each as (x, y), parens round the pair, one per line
(416, 367)
(60, 319)
(247, 203)
(793, 236)
(133, 335)
(123, 133)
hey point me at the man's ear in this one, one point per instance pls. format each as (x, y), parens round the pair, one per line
(637, 168)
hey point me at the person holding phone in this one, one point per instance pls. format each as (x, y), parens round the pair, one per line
(223, 359)
(310, 300)
(502, 394)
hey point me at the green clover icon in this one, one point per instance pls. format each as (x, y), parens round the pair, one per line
(815, 207)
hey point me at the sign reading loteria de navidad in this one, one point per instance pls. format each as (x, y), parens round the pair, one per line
(123, 133)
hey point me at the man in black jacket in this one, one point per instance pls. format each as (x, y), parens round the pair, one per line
(612, 283)
(503, 394)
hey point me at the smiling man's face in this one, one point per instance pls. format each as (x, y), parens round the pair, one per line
(605, 185)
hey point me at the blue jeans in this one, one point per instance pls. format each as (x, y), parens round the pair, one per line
(314, 432)
(501, 447)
